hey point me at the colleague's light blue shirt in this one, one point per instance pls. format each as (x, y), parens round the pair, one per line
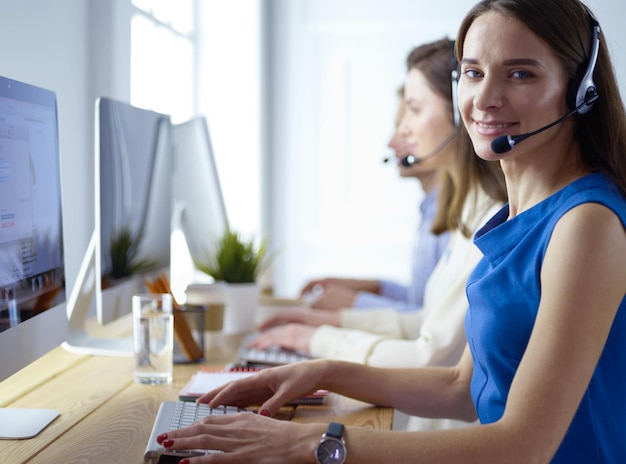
(427, 250)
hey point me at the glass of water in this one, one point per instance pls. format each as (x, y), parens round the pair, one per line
(153, 339)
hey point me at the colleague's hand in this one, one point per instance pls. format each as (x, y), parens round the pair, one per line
(291, 336)
(334, 297)
(305, 316)
(271, 388)
(246, 438)
(318, 285)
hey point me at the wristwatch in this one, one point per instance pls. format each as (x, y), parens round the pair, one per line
(332, 448)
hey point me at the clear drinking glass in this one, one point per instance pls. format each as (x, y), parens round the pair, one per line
(153, 328)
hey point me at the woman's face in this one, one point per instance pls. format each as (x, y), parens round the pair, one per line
(511, 83)
(398, 144)
(426, 124)
(397, 141)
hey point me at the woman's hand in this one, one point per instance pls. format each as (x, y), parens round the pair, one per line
(271, 388)
(334, 297)
(246, 438)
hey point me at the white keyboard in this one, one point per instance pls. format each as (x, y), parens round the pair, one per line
(178, 414)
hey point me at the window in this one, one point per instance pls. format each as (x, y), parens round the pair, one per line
(163, 57)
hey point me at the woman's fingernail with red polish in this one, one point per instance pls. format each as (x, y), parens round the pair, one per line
(168, 443)
(265, 412)
(161, 438)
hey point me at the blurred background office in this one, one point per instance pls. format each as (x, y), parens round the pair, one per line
(297, 96)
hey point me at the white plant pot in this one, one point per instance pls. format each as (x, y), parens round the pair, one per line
(242, 301)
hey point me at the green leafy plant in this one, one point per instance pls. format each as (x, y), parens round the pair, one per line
(234, 259)
(123, 251)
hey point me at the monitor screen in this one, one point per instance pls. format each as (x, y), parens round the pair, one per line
(133, 202)
(33, 319)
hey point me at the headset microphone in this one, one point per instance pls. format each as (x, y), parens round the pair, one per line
(505, 143)
(386, 159)
(410, 160)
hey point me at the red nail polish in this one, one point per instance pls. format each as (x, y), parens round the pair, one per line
(168, 443)
(184, 461)
(161, 438)
(265, 412)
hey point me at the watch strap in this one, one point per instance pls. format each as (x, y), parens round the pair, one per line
(332, 446)
(335, 430)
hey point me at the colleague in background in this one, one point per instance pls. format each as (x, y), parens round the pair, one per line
(544, 368)
(471, 191)
(340, 293)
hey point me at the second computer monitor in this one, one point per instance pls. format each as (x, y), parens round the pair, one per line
(199, 212)
(133, 201)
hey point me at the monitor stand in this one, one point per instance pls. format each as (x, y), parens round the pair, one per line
(79, 340)
(18, 423)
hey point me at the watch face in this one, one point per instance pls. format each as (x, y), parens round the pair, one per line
(330, 452)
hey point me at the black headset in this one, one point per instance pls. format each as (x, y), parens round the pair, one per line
(582, 92)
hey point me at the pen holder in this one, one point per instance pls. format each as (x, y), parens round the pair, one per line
(194, 316)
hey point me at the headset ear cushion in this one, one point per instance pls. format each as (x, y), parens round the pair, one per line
(579, 93)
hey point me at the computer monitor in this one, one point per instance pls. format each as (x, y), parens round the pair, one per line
(133, 195)
(32, 268)
(199, 216)
(133, 200)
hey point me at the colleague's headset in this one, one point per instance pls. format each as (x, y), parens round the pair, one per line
(581, 93)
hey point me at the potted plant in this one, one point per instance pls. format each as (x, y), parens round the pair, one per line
(125, 271)
(236, 261)
(124, 255)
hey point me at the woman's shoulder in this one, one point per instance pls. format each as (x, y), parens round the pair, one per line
(597, 189)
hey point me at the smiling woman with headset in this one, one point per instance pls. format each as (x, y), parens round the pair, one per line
(544, 368)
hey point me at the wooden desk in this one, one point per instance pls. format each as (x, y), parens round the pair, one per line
(107, 418)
